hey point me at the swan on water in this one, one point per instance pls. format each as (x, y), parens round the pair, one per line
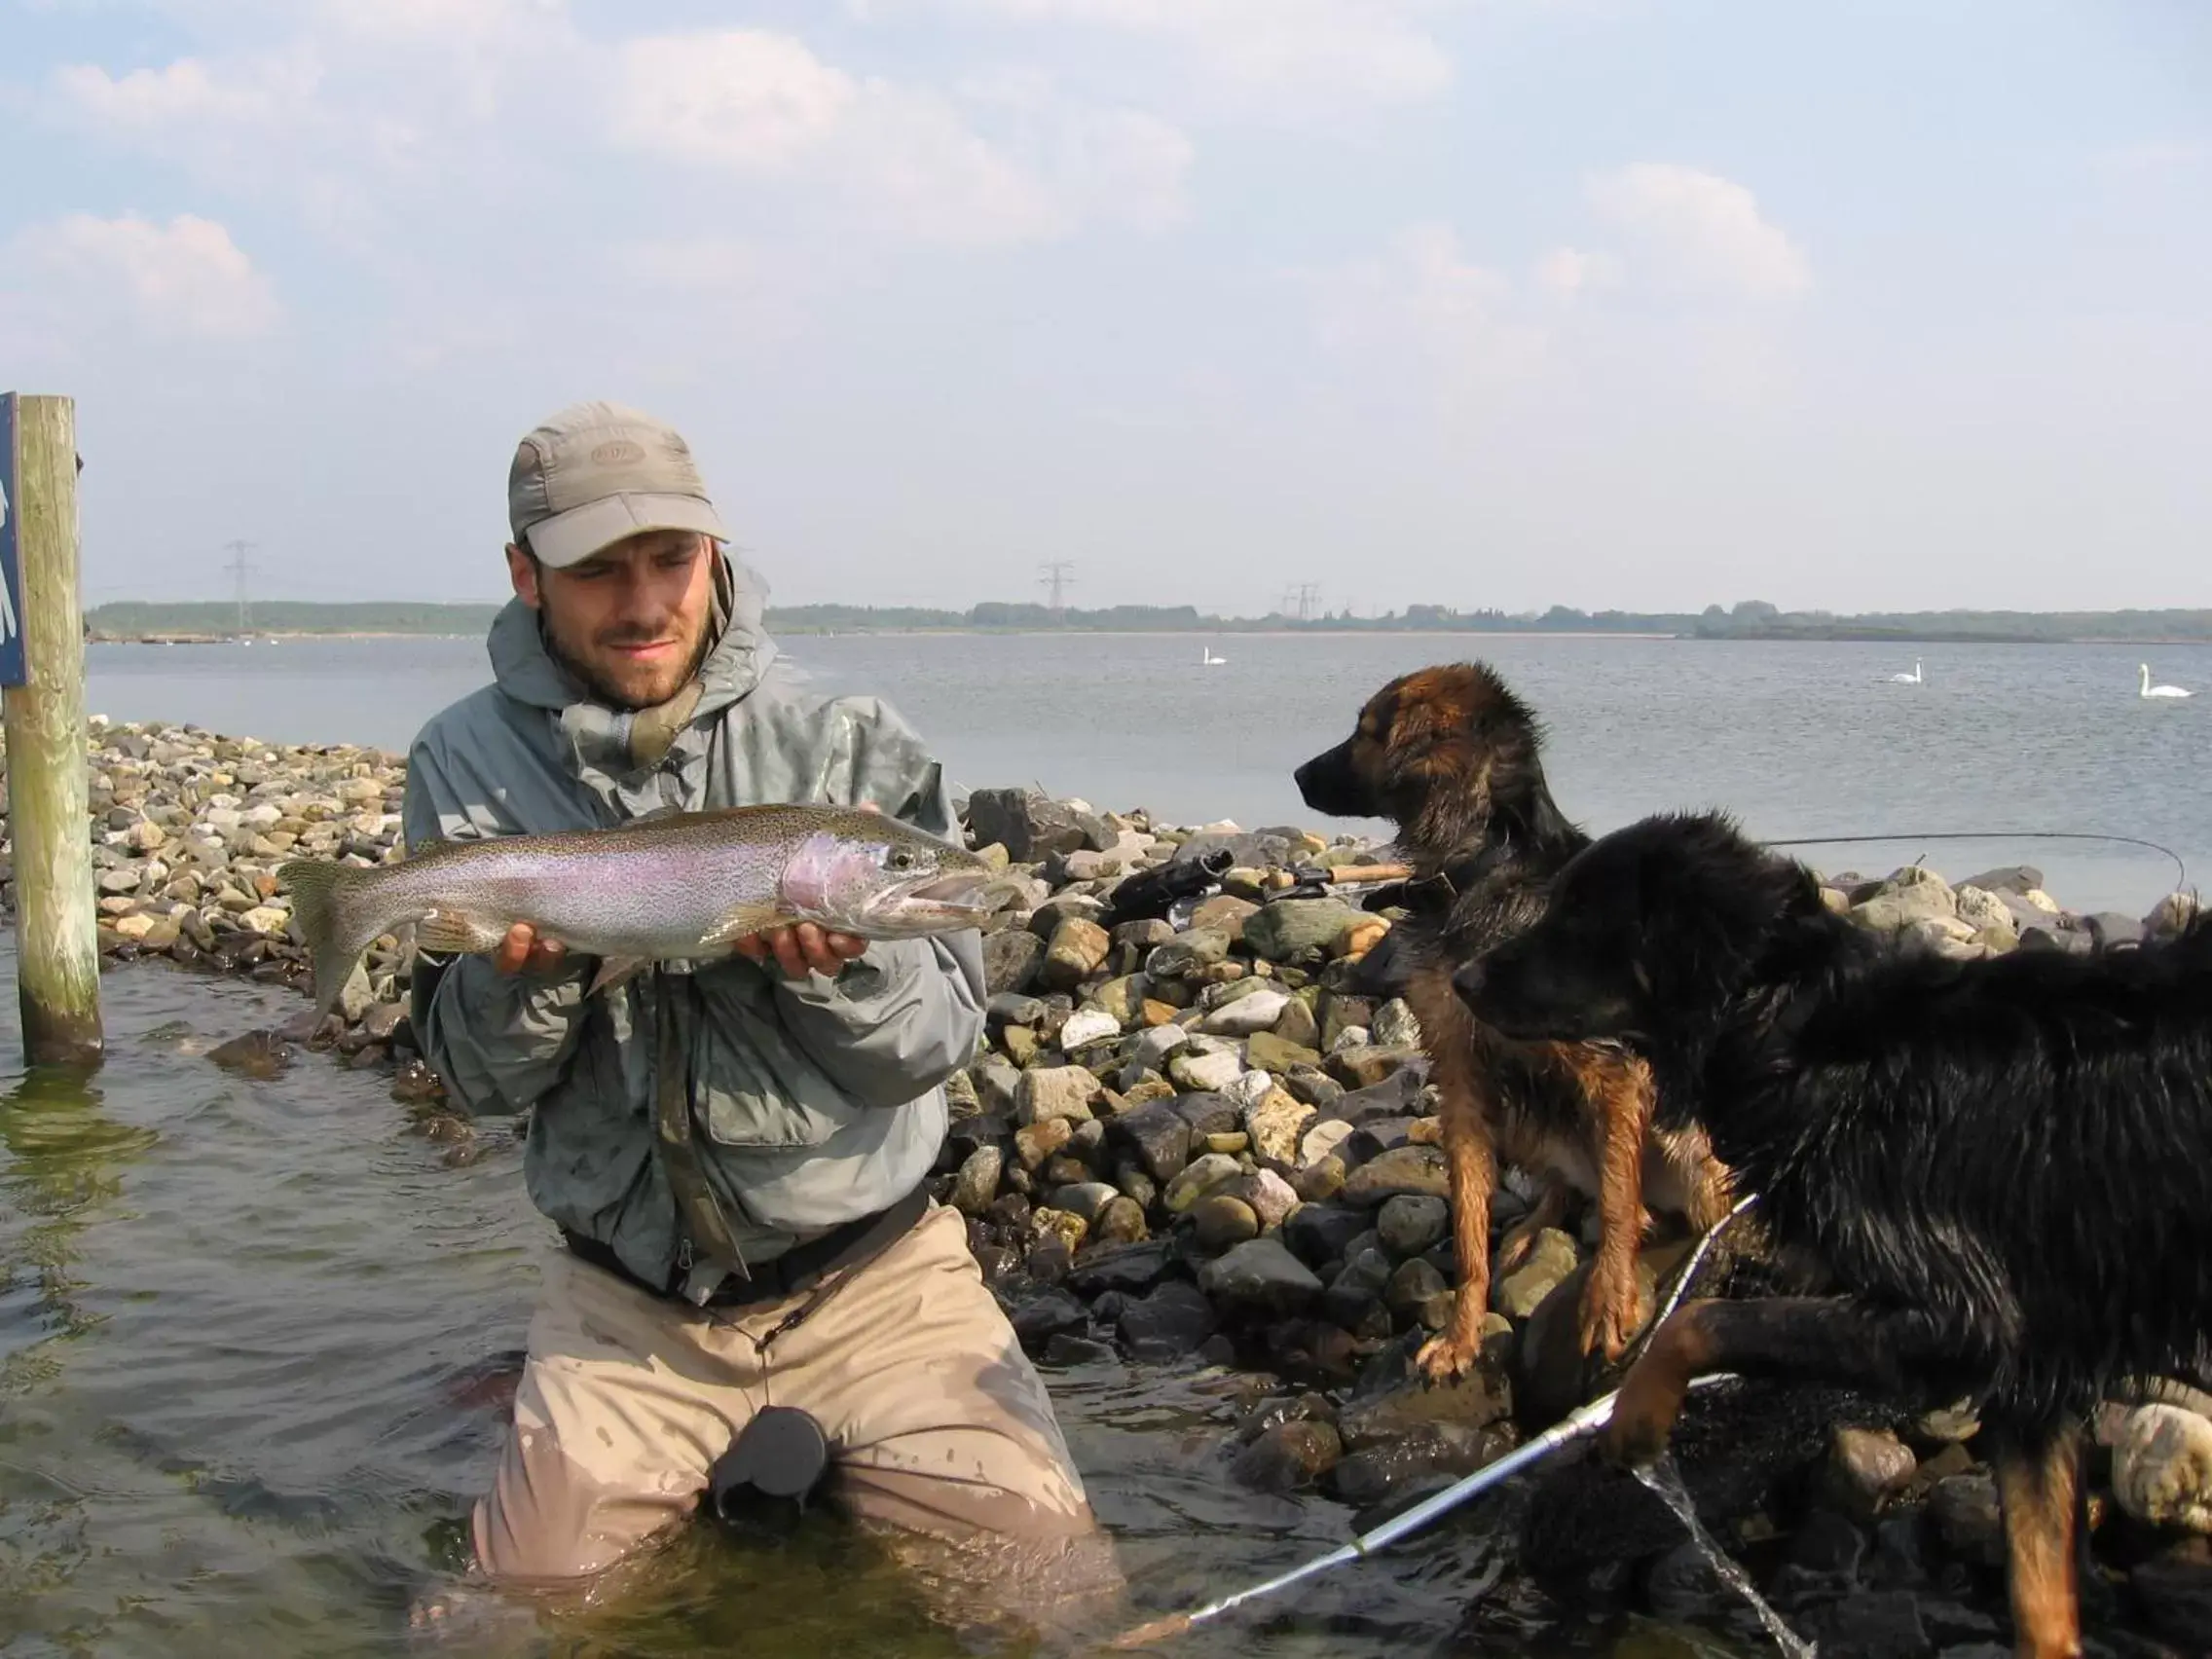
(2151, 690)
(1209, 660)
(1912, 678)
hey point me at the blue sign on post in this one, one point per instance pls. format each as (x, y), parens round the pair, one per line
(11, 667)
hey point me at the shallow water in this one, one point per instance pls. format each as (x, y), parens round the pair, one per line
(255, 1344)
(1797, 739)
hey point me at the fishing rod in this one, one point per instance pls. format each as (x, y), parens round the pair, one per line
(2181, 869)
(1578, 1424)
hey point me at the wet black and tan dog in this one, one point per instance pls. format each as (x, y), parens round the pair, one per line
(1995, 1177)
(1453, 759)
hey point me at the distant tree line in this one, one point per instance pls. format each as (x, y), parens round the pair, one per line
(1752, 620)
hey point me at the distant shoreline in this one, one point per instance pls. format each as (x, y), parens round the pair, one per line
(1777, 636)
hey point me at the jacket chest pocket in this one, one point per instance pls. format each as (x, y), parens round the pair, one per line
(753, 1085)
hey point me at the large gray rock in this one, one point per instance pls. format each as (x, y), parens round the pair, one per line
(1260, 1278)
(1029, 827)
(1011, 958)
(1289, 926)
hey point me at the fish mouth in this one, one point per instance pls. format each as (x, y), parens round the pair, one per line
(964, 889)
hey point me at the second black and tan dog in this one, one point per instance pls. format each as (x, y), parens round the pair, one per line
(1453, 759)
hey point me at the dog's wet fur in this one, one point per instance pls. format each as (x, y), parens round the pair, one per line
(1453, 759)
(1992, 1177)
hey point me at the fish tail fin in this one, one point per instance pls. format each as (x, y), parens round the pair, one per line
(327, 902)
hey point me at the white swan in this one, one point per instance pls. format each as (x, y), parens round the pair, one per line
(1209, 660)
(1912, 678)
(2151, 690)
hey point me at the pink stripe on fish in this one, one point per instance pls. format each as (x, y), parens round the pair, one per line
(808, 875)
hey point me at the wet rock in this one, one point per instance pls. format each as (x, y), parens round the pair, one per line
(1220, 1221)
(1395, 1026)
(1242, 1016)
(1369, 1476)
(1521, 1292)
(1872, 1624)
(1411, 1223)
(1288, 1456)
(1268, 1195)
(1968, 1518)
(258, 1054)
(1054, 1091)
(1186, 953)
(2174, 1591)
(1066, 1351)
(1865, 1469)
(1171, 1322)
(977, 1183)
(1046, 1313)
(1159, 1133)
(1417, 1170)
(1318, 1233)
(1078, 951)
(2163, 1467)
(1260, 1279)
(1085, 1198)
(1417, 1290)
(1126, 1268)
(1085, 1027)
(1275, 1122)
(1209, 1114)
(1034, 1143)
(1290, 926)
(1392, 1398)
(1365, 1065)
(1198, 1180)
(1011, 959)
(1205, 1074)
(1119, 1221)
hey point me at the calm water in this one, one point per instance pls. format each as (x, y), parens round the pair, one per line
(1797, 740)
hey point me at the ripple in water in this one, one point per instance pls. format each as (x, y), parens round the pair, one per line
(1663, 1478)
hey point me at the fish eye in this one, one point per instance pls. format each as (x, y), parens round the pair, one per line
(900, 859)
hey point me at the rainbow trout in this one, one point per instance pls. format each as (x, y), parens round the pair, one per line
(676, 886)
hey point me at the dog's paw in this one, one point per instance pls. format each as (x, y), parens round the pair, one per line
(1642, 1421)
(1608, 1315)
(1444, 1359)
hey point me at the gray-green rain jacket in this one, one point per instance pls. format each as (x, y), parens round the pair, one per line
(814, 1102)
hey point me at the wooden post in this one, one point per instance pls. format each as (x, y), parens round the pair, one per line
(49, 798)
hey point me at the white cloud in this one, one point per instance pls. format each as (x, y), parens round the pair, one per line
(1423, 295)
(1697, 229)
(1304, 56)
(1571, 270)
(255, 92)
(184, 279)
(762, 106)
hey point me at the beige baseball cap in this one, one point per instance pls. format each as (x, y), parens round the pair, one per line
(595, 472)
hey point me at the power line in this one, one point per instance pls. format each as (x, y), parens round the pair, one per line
(1057, 579)
(240, 571)
(1309, 595)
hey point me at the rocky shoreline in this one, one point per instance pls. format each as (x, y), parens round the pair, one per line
(1200, 1130)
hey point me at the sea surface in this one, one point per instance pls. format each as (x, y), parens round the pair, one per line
(1796, 740)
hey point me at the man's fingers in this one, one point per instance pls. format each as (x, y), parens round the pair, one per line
(514, 950)
(789, 957)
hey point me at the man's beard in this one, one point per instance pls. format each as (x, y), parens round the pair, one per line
(602, 691)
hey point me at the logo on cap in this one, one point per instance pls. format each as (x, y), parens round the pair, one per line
(619, 451)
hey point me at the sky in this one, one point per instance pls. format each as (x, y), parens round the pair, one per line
(1648, 304)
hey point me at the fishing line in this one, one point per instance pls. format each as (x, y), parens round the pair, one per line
(1578, 1424)
(2181, 869)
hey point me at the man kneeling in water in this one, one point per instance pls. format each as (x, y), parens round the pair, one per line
(734, 1154)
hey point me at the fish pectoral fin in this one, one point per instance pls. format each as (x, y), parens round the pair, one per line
(615, 971)
(741, 922)
(445, 930)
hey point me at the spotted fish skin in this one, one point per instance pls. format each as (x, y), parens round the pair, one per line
(678, 886)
